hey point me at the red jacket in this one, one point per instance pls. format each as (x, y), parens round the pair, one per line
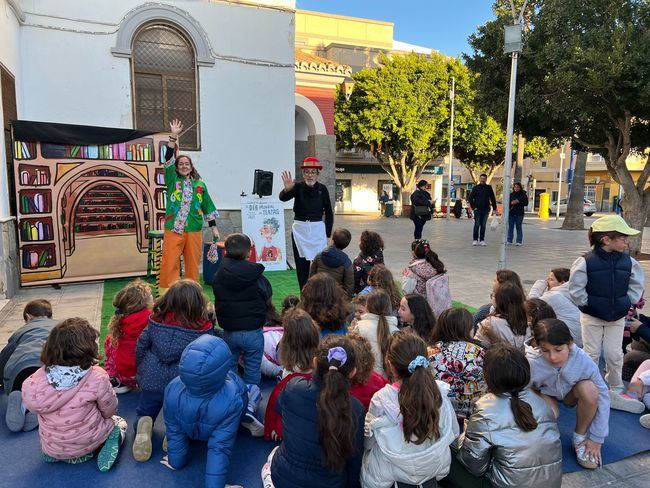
(132, 326)
(272, 419)
(364, 392)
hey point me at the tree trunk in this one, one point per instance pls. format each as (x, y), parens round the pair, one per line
(575, 219)
(635, 211)
(521, 142)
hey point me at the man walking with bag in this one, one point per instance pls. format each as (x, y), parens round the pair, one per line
(480, 199)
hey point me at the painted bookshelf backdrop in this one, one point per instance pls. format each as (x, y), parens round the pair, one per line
(47, 174)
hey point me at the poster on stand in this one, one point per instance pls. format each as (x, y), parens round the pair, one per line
(263, 221)
(86, 200)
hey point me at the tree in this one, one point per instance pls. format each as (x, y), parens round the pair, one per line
(574, 219)
(400, 112)
(481, 147)
(589, 80)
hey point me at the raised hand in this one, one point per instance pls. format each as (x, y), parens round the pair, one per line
(176, 127)
(287, 180)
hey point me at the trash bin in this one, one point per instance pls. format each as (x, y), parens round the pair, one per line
(389, 209)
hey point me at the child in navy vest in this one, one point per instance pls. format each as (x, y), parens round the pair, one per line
(603, 284)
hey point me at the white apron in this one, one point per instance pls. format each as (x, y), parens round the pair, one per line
(310, 238)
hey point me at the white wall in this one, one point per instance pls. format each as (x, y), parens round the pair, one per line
(246, 111)
(10, 60)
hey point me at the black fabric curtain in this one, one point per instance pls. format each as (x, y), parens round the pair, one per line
(85, 135)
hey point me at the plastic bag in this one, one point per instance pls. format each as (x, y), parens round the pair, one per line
(494, 223)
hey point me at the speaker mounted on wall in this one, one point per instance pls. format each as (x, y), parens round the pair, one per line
(263, 183)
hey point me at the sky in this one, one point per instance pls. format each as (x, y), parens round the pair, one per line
(439, 24)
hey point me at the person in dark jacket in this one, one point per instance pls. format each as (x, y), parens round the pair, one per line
(205, 402)
(20, 358)
(178, 317)
(420, 198)
(518, 204)
(309, 233)
(481, 199)
(334, 262)
(322, 425)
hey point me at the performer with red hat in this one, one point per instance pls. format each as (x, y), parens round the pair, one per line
(309, 233)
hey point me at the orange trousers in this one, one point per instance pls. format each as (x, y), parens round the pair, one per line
(189, 245)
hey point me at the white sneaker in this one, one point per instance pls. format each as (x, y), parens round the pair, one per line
(474, 243)
(645, 420)
(519, 244)
(483, 243)
(255, 427)
(625, 403)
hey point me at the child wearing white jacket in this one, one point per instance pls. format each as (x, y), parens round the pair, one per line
(403, 449)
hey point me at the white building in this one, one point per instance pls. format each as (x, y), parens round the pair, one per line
(226, 66)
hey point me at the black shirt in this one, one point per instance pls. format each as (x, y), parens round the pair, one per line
(310, 203)
(482, 197)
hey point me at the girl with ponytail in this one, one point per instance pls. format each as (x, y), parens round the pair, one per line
(424, 266)
(377, 325)
(410, 423)
(512, 436)
(322, 425)
(133, 305)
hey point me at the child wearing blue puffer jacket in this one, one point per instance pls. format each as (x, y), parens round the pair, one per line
(205, 402)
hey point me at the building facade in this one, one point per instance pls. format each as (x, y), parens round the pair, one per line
(225, 68)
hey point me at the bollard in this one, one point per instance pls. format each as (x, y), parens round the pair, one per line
(544, 200)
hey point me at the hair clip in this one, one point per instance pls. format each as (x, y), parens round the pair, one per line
(337, 353)
(418, 362)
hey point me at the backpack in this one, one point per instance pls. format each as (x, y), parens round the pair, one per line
(438, 293)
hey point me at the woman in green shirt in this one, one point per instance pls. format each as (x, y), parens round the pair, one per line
(188, 205)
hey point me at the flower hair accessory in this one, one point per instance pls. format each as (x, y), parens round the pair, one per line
(418, 362)
(337, 353)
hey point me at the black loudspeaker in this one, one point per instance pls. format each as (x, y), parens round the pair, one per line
(263, 183)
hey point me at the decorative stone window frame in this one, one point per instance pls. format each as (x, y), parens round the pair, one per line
(148, 13)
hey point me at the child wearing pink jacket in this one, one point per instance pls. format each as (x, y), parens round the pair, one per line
(74, 399)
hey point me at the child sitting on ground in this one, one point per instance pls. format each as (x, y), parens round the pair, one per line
(377, 325)
(410, 423)
(416, 314)
(74, 399)
(178, 317)
(508, 323)
(366, 382)
(604, 284)
(457, 359)
(359, 304)
(295, 351)
(424, 266)
(325, 302)
(20, 358)
(639, 387)
(322, 425)
(511, 438)
(334, 262)
(554, 290)
(273, 331)
(381, 278)
(133, 305)
(206, 403)
(241, 293)
(501, 276)
(371, 247)
(561, 371)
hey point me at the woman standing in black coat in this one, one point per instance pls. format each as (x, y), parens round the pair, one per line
(421, 203)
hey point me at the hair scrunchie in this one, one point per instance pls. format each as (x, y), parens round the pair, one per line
(118, 312)
(418, 362)
(336, 353)
(515, 394)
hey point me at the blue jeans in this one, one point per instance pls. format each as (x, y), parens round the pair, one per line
(250, 345)
(480, 221)
(419, 225)
(150, 404)
(515, 221)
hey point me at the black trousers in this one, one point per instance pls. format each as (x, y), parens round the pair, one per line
(302, 265)
(419, 225)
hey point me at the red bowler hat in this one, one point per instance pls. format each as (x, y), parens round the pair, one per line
(311, 163)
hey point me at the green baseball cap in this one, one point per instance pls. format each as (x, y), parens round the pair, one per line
(613, 223)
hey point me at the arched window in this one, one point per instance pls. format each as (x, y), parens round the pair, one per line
(164, 81)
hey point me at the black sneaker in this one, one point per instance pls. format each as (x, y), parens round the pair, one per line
(119, 387)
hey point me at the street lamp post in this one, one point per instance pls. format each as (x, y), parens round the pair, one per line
(452, 96)
(513, 45)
